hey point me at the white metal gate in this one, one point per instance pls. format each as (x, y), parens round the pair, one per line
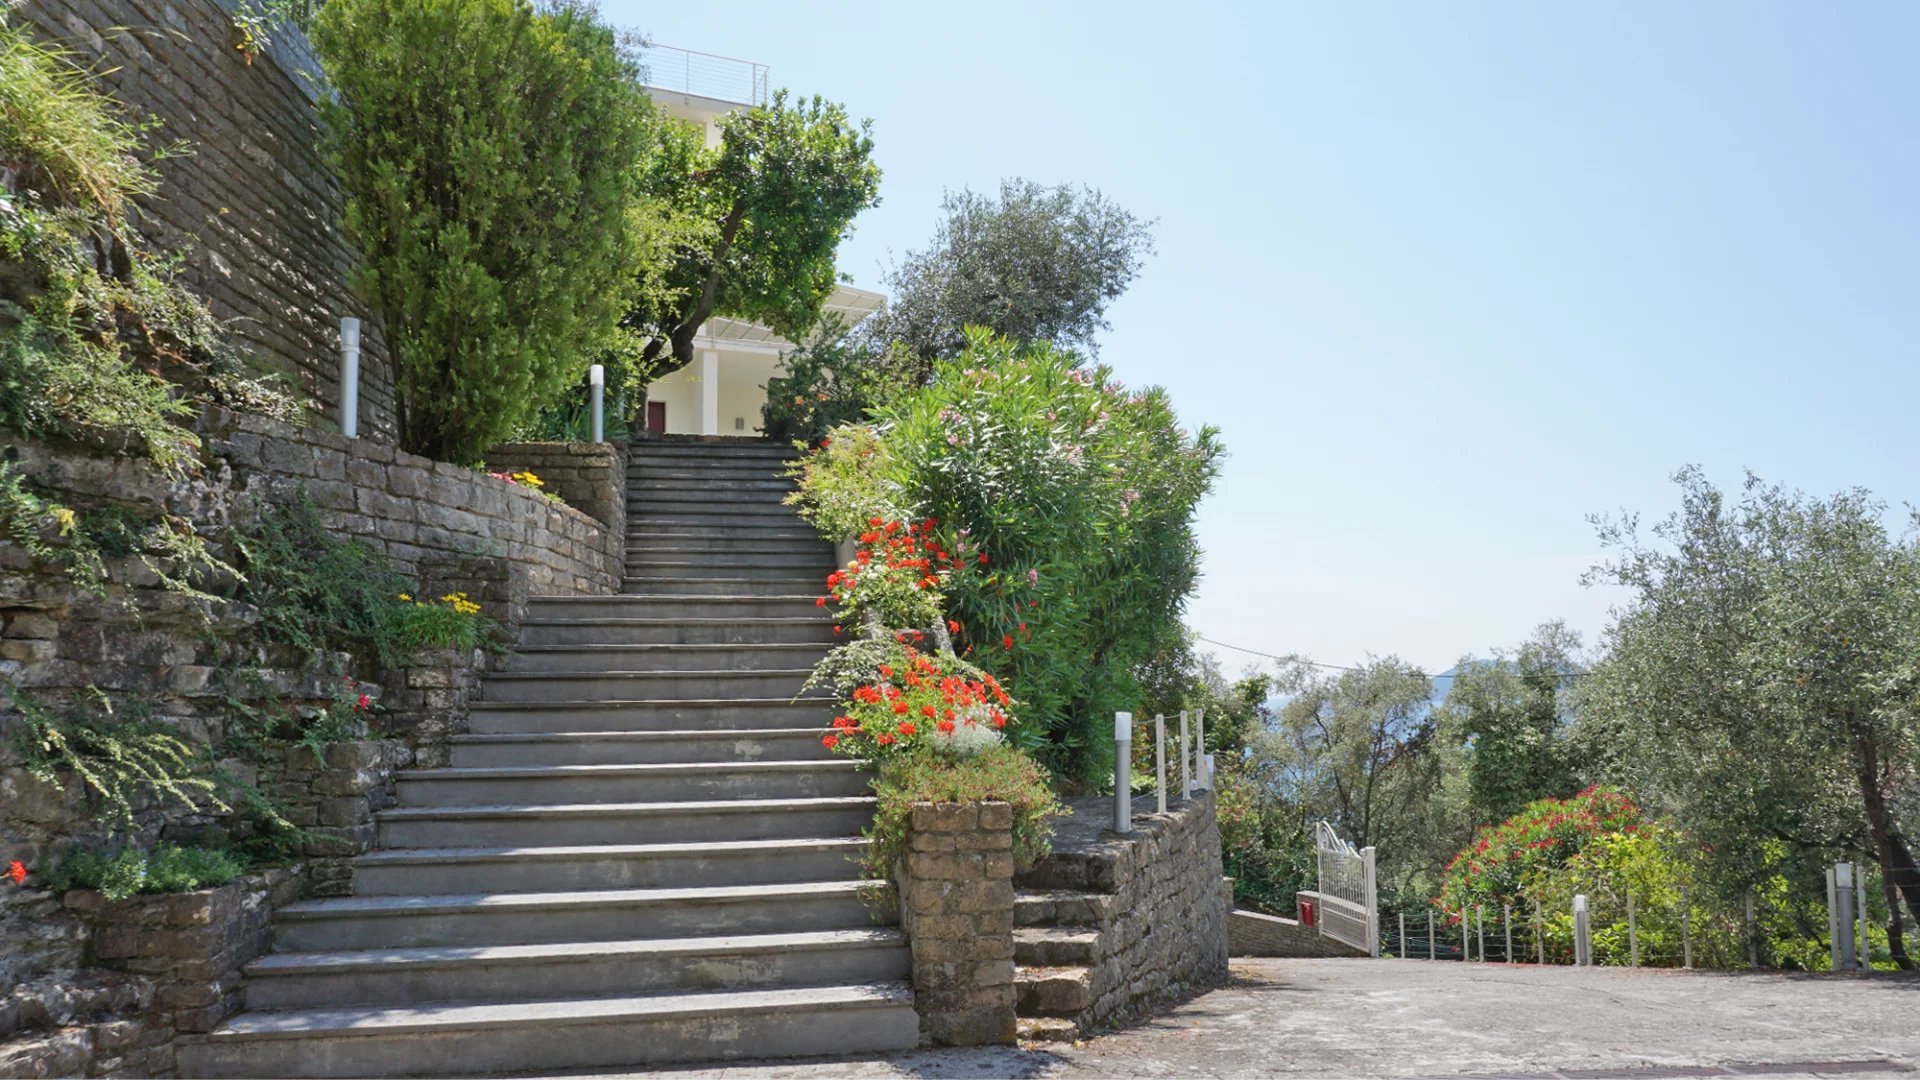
(1349, 902)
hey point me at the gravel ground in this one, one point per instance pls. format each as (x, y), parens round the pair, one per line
(1412, 1018)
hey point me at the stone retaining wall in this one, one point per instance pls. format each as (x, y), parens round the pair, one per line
(252, 208)
(591, 477)
(1251, 933)
(1158, 908)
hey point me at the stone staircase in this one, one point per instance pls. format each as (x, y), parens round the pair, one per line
(640, 854)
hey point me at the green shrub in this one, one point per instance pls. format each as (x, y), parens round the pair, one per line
(831, 383)
(96, 333)
(999, 773)
(1080, 497)
(846, 482)
(167, 868)
(323, 594)
(116, 758)
(491, 155)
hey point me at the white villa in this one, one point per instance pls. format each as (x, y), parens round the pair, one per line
(721, 392)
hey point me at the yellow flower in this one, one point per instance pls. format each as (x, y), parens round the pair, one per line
(404, 596)
(529, 480)
(65, 516)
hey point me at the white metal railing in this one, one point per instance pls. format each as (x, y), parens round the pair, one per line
(1349, 904)
(719, 77)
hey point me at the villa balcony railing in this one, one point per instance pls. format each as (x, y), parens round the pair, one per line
(719, 77)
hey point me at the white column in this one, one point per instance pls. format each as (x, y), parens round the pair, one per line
(710, 392)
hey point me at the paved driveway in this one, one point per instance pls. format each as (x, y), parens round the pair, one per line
(1413, 1018)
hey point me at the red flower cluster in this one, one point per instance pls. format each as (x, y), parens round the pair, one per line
(881, 713)
(1548, 832)
(17, 870)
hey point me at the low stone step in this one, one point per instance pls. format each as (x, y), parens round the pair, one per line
(443, 871)
(631, 823)
(573, 784)
(691, 484)
(638, 747)
(709, 446)
(1055, 946)
(1046, 1029)
(812, 586)
(568, 1033)
(593, 659)
(1052, 991)
(397, 922)
(574, 969)
(642, 685)
(655, 606)
(663, 470)
(1061, 907)
(713, 714)
(616, 631)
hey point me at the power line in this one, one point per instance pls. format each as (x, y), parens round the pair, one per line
(1297, 659)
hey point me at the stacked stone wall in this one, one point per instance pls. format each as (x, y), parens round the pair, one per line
(251, 208)
(589, 476)
(956, 904)
(1161, 910)
(1252, 933)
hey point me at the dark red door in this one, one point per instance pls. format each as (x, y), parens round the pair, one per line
(656, 417)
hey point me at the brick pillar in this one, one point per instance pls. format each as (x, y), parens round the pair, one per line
(956, 890)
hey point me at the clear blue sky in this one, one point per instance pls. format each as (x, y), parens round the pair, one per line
(1450, 277)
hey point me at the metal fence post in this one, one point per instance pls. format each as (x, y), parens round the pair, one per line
(1506, 920)
(1371, 883)
(1539, 935)
(1400, 947)
(1582, 932)
(1633, 934)
(1186, 778)
(1122, 772)
(1480, 931)
(1840, 920)
(350, 377)
(1202, 780)
(1160, 760)
(596, 399)
(1431, 951)
(1686, 931)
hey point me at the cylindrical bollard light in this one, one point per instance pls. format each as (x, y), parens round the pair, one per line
(1122, 772)
(1160, 761)
(596, 392)
(350, 377)
(1186, 773)
(1201, 779)
(1582, 933)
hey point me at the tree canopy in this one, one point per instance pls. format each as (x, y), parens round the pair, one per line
(1034, 265)
(754, 223)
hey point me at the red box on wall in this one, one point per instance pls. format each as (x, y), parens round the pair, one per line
(1306, 913)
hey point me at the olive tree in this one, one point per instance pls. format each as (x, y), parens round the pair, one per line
(1764, 683)
(1035, 265)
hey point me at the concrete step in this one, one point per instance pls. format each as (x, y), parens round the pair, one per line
(709, 448)
(668, 471)
(809, 575)
(693, 484)
(400, 922)
(442, 871)
(744, 542)
(638, 747)
(816, 628)
(741, 715)
(1052, 991)
(1055, 946)
(593, 659)
(685, 782)
(574, 969)
(811, 585)
(623, 823)
(642, 685)
(568, 1033)
(734, 508)
(654, 606)
(679, 561)
(1061, 907)
(654, 521)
